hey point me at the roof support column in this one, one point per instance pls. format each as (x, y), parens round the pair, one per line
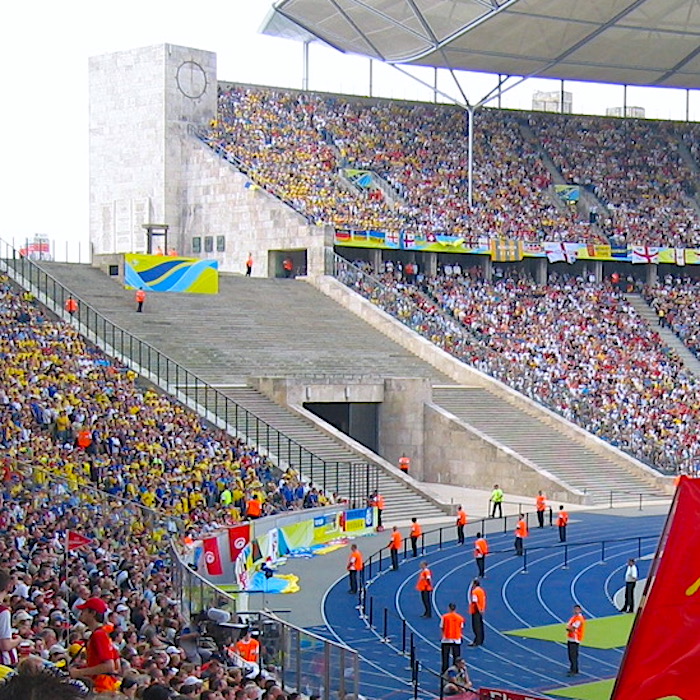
(624, 101)
(371, 77)
(470, 154)
(687, 104)
(305, 66)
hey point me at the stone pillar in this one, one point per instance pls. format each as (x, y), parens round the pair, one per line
(488, 268)
(542, 271)
(430, 264)
(375, 260)
(598, 270)
(652, 274)
(401, 421)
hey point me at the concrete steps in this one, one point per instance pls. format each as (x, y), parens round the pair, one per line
(571, 462)
(670, 339)
(265, 328)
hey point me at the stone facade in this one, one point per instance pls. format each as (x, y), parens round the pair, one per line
(142, 105)
(148, 166)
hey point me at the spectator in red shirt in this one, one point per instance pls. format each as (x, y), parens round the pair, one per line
(102, 657)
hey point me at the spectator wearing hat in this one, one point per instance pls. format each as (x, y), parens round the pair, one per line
(102, 658)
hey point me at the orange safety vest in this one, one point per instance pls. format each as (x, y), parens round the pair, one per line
(452, 625)
(404, 463)
(416, 530)
(541, 503)
(355, 562)
(425, 581)
(287, 264)
(249, 261)
(396, 540)
(562, 518)
(71, 305)
(521, 529)
(379, 501)
(140, 295)
(477, 600)
(84, 439)
(253, 507)
(481, 548)
(461, 517)
(575, 628)
(249, 651)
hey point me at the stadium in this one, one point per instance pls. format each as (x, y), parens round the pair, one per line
(327, 343)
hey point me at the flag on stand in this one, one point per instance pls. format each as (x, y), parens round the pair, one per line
(664, 665)
(238, 538)
(212, 557)
(74, 540)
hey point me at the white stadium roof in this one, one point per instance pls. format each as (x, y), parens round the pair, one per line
(633, 42)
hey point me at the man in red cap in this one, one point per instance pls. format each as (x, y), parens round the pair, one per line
(102, 657)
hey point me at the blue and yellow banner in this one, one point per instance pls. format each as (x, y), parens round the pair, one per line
(569, 194)
(158, 273)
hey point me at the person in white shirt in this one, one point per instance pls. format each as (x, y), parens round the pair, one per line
(631, 576)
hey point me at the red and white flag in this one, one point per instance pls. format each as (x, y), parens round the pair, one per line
(238, 538)
(645, 254)
(74, 540)
(212, 557)
(561, 252)
(665, 665)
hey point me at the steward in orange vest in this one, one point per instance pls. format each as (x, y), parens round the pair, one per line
(575, 629)
(354, 567)
(477, 608)
(452, 624)
(521, 532)
(562, 522)
(416, 532)
(541, 505)
(424, 587)
(461, 522)
(481, 549)
(394, 546)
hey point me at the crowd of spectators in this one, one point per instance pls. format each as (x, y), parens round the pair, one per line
(636, 170)
(676, 301)
(296, 144)
(89, 449)
(90, 419)
(125, 567)
(577, 347)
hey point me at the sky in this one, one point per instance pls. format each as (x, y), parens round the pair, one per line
(44, 77)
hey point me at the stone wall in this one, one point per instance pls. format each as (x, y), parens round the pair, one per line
(456, 453)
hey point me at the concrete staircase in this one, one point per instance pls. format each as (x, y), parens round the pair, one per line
(400, 500)
(669, 338)
(265, 328)
(571, 462)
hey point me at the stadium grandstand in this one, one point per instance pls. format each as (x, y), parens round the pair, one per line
(355, 313)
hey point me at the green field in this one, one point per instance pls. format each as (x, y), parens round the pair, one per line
(601, 632)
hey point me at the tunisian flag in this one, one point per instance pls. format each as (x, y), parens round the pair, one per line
(238, 538)
(663, 655)
(212, 557)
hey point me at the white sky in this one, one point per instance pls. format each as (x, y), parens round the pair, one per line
(44, 129)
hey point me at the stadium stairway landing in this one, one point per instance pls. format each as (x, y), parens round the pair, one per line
(669, 338)
(263, 328)
(572, 462)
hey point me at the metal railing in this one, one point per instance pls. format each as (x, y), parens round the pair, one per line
(394, 631)
(353, 480)
(303, 661)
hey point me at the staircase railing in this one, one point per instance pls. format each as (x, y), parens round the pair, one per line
(353, 480)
